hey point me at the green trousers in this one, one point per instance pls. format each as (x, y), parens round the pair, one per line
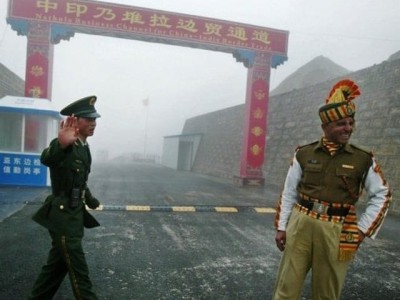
(66, 256)
(311, 244)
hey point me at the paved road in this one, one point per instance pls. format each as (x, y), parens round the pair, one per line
(146, 250)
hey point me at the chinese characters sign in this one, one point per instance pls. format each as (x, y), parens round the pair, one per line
(142, 23)
(21, 169)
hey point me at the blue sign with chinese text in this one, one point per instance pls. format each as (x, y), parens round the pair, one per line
(22, 169)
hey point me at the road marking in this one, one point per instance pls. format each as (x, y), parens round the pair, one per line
(265, 210)
(138, 207)
(183, 208)
(225, 209)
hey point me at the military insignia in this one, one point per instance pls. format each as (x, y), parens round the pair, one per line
(92, 101)
(319, 208)
(348, 167)
(349, 237)
(349, 110)
(312, 161)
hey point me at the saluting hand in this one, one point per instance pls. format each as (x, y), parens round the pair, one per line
(68, 133)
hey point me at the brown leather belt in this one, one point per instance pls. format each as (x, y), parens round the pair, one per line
(324, 209)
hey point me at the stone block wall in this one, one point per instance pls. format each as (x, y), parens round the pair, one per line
(10, 83)
(219, 150)
(293, 120)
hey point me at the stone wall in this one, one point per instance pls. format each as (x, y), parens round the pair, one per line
(219, 150)
(293, 120)
(10, 83)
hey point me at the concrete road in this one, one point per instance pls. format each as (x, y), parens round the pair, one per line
(178, 235)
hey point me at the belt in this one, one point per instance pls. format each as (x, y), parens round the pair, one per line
(60, 193)
(65, 194)
(321, 208)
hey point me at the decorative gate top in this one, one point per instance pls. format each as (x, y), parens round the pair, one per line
(130, 22)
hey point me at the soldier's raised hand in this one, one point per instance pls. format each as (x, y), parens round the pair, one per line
(68, 133)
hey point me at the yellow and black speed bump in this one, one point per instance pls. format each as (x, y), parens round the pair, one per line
(187, 208)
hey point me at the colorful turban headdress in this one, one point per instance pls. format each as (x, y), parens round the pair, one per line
(339, 104)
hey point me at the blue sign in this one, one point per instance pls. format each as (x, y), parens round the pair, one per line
(22, 169)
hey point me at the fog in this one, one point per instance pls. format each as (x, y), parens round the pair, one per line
(180, 82)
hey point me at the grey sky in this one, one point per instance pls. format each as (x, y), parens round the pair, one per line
(184, 82)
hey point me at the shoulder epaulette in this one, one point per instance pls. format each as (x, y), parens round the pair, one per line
(363, 150)
(310, 144)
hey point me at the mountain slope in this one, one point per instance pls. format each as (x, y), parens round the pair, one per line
(318, 70)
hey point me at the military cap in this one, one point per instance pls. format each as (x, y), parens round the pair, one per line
(82, 108)
(339, 103)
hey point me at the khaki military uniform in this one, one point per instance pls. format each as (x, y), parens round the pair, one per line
(314, 236)
(65, 219)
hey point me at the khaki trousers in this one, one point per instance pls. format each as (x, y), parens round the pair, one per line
(311, 244)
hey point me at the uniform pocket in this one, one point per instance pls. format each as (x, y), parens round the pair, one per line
(348, 173)
(312, 174)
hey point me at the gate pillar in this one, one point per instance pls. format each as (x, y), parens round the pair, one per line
(39, 61)
(255, 122)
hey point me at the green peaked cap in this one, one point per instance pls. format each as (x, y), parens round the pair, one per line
(82, 108)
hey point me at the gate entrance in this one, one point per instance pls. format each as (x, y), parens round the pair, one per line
(47, 22)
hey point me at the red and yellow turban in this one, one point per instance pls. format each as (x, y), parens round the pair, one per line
(339, 104)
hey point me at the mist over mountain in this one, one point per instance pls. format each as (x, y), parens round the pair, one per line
(394, 56)
(318, 70)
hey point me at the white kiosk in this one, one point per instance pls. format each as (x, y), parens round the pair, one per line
(27, 125)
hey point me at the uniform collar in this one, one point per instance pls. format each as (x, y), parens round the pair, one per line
(346, 147)
(82, 143)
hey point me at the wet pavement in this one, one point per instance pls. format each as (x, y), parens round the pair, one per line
(12, 199)
(177, 235)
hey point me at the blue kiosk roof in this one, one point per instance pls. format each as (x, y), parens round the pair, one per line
(38, 106)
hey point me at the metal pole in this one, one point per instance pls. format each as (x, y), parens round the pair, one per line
(145, 131)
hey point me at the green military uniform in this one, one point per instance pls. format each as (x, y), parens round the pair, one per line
(64, 214)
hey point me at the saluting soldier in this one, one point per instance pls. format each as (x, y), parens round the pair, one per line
(64, 212)
(316, 221)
